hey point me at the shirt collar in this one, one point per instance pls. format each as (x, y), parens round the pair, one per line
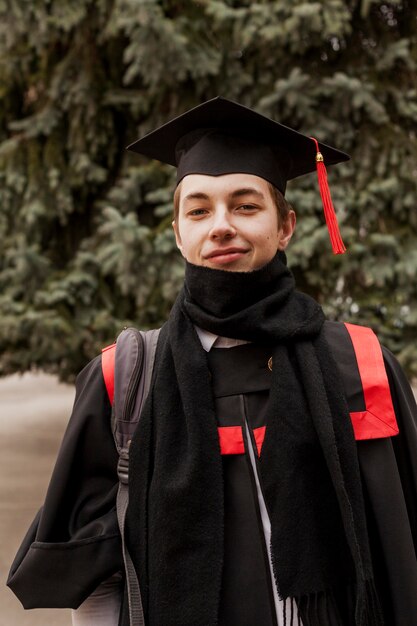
(207, 339)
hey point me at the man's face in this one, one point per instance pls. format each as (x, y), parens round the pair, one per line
(229, 222)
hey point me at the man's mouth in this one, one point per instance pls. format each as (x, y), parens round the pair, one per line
(225, 255)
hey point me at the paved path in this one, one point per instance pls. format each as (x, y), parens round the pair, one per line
(34, 410)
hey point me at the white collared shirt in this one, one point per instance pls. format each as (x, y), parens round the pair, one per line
(210, 340)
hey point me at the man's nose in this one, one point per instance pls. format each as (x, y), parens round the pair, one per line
(222, 226)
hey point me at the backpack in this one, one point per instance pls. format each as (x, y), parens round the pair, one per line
(127, 373)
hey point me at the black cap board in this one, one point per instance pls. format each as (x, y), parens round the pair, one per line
(223, 137)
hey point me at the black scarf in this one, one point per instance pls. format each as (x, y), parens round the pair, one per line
(309, 464)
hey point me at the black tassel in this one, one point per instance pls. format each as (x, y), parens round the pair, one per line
(372, 609)
(307, 610)
(327, 608)
(321, 608)
(317, 608)
(297, 602)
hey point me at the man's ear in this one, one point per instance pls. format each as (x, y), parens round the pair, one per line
(286, 230)
(177, 236)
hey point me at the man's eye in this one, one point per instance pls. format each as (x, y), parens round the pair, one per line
(247, 207)
(197, 212)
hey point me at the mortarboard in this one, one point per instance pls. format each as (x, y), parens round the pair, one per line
(223, 137)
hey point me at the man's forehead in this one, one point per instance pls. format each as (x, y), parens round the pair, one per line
(227, 184)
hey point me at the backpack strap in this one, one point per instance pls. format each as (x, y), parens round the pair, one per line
(127, 367)
(378, 419)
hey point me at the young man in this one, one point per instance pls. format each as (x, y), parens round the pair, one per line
(268, 484)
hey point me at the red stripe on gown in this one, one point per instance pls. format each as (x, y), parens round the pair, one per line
(259, 434)
(378, 420)
(231, 440)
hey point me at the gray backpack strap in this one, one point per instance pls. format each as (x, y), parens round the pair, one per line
(134, 360)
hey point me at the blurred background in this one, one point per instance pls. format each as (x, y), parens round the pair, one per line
(86, 246)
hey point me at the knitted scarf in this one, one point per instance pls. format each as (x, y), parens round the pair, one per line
(309, 467)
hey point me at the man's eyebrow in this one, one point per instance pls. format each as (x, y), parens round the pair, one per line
(238, 193)
(246, 191)
(197, 195)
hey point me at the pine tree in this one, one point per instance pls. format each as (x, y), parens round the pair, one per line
(85, 227)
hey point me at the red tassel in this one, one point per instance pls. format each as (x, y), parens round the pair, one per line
(329, 212)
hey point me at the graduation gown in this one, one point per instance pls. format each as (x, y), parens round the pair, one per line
(73, 543)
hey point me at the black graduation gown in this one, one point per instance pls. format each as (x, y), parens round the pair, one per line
(73, 544)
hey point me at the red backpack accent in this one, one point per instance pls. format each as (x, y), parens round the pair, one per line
(107, 364)
(378, 420)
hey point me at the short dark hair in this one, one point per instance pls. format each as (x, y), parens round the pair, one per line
(283, 207)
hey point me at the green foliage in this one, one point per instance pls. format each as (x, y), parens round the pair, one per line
(85, 236)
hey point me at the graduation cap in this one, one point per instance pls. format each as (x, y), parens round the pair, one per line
(223, 137)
